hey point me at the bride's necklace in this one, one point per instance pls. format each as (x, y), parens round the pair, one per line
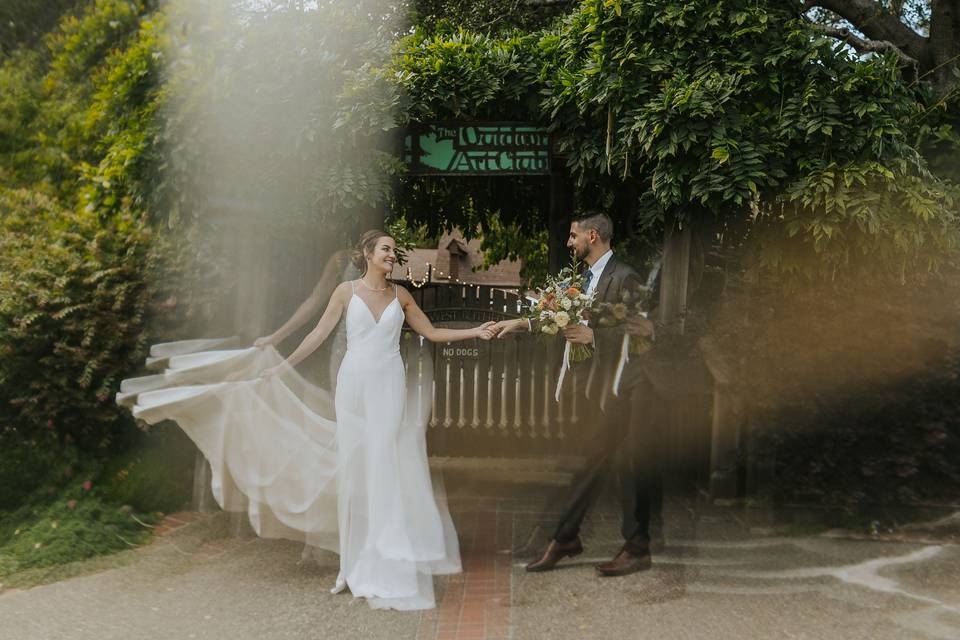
(383, 288)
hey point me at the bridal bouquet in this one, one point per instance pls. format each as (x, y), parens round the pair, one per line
(632, 303)
(560, 302)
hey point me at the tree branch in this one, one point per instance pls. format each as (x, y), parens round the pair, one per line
(864, 46)
(875, 22)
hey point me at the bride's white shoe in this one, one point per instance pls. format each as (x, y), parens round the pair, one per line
(340, 585)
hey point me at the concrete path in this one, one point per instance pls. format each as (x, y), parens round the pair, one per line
(712, 581)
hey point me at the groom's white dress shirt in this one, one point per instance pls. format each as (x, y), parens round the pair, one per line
(597, 270)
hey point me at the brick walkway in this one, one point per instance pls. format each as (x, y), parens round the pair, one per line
(476, 604)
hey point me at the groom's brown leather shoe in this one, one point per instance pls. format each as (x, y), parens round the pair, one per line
(555, 552)
(625, 563)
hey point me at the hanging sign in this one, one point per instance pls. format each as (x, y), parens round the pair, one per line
(493, 148)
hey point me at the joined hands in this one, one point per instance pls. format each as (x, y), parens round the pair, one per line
(486, 330)
(506, 327)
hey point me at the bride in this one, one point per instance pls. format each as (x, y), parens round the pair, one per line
(356, 482)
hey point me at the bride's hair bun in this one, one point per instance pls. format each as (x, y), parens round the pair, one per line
(358, 259)
(368, 242)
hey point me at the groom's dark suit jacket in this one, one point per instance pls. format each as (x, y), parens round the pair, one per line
(595, 375)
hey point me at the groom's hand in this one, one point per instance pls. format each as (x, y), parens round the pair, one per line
(578, 334)
(639, 326)
(505, 327)
(487, 330)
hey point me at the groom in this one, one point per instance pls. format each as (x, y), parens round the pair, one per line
(606, 438)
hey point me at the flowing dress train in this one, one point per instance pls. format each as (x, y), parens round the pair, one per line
(348, 475)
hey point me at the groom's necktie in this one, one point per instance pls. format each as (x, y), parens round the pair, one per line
(586, 280)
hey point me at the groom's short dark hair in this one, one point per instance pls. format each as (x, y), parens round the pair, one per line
(596, 220)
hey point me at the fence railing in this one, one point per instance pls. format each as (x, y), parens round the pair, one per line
(497, 398)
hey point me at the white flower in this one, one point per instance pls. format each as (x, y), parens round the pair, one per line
(549, 328)
(562, 319)
(566, 303)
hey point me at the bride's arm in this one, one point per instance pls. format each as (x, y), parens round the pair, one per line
(329, 320)
(420, 323)
(311, 305)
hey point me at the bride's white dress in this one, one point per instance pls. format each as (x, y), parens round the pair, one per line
(358, 484)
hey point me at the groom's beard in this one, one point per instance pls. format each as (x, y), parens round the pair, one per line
(580, 254)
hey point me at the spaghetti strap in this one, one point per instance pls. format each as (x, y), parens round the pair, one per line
(395, 290)
(353, 287)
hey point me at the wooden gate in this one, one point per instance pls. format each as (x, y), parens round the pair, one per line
(491, 398)
(496, 398)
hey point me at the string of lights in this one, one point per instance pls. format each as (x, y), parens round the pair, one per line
(440, 275)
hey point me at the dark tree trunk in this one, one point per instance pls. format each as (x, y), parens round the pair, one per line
(944, 45)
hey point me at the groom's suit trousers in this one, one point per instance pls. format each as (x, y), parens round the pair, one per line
(606, 437)
(616, 443)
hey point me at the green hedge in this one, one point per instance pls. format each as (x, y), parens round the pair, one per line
(73, 293)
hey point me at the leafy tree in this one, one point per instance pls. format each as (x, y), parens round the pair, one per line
(82, 272)
(483, 16)
(730, 113)
(265, 135)
(24, 22)
(924, 34)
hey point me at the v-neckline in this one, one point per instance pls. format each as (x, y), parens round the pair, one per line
(376, 320)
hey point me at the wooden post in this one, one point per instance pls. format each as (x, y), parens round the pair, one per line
(673, 279)
(558, 218)
(726, 421)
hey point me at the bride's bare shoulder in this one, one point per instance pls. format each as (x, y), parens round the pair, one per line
(343, 291)
(403, 295)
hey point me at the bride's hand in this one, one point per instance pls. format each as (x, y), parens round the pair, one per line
(265, 341)
(485, 331)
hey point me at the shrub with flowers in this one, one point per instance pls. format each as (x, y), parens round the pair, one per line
(561, 302)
